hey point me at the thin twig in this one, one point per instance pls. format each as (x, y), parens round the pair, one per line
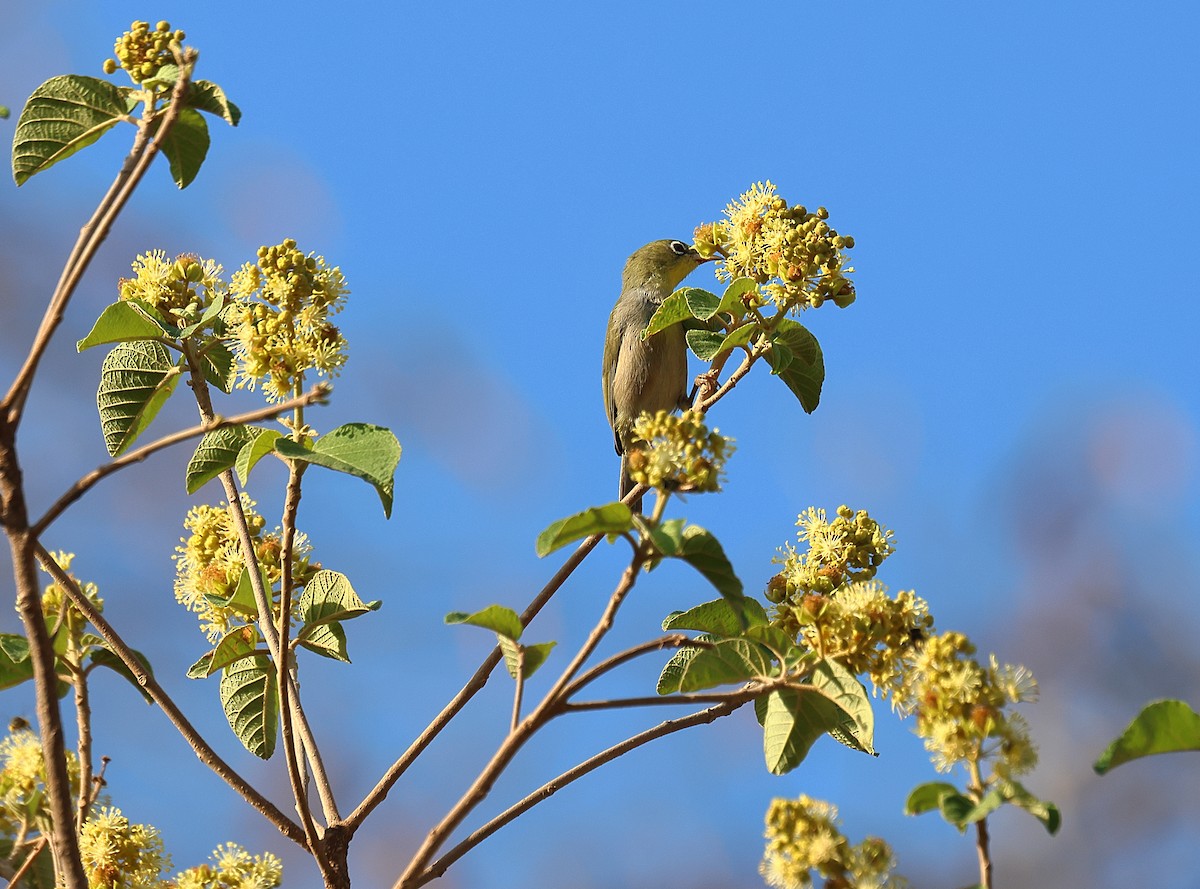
(85, 483)
(83, 745)
(439, 867)
(675, 640)
(38, 845)
(145, 680)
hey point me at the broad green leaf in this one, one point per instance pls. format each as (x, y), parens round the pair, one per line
(672, 672)
(731, 299)
(251, 704)
(214, 309)
(727, 661)
(612, 518)
(1044, 811)
(118, 323)
(701, 304)
(772, 638)
(1167, 726)
(242, 599)
(233, 647)
(62, 116)
(524, 659)
(103, 657)
(204, 95)
(793, 721)
(667, 536)
(186, 146)
(135, 380)
(15, 665)
(673, 310)
(217, 451)
(799, 363)
(359, 449)
(261, 442)
(961, 811)
(327, 640)
(329, 597)
(842, 687)
(718, 618)
(500, 620)
(739, 336)
(219, 368)
(705, 344)
(927, 797)
(704, 553)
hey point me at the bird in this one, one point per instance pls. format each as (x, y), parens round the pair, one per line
(651, 374)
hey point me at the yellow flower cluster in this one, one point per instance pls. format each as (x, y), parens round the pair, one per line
(850, 548)
(179, 289)
(55, 604)
(861, 626)
(792, 253)
(281, 319)
(117, 854)
(964, 709)
(23, 780)
(233, 868)
(209, 563)
(677, 453)
(804, 837)
(142, 51)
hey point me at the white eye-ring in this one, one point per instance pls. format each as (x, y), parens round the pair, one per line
(679, 248)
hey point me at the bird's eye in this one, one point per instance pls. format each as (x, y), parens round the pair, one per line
(679, 248)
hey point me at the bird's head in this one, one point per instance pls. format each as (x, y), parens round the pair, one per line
(661, 265)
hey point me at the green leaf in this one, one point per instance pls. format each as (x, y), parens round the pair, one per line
(327, 640)
(261, 442)
(242, 599)
(214, 309)
(329, 597)
(667, 536)
(62, 116)
(701, 304)
(118, 323)
(961, 811)
(15, 665)
(204, 95)
(793, 721)
(927, 797)
(704, 553)
(673, 310)
(1044, 811)
(359, 449)
(718, 618)
(1166, 726)
(234, 646)
(726, 661)
(135, 380)
(219, 368)
(671, 677)
(796, 358)
(731, 299)
(612, 518)
(857, 730)
(217, 451)
(103, 657)
(739, 336)
(524, 659)
(502, 621)
(251, 703)
(705, 344)
(186, 146)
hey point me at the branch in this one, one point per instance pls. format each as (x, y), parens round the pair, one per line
(203, 751)
(675, 640)
(477, 681)
(96, 230)
(315, 394)
(439, 867)
(36, 849)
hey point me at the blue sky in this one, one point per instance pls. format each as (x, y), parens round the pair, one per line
(1014, 392)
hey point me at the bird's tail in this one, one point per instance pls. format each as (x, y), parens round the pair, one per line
(627, 484)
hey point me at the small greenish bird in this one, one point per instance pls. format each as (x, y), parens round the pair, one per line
(651, 374)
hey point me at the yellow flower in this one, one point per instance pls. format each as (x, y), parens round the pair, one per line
(678, 453)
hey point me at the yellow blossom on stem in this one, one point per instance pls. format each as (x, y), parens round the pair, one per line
(179, 289)
(142, 50)
(677, 453)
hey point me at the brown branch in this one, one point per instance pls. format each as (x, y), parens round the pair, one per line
(83, 485)
(38, 845)
(675, 640)
(439, 867)
(145, 680)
